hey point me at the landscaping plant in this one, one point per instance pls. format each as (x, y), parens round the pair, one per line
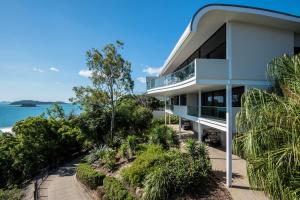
(114, 190)
(163, 135)
(270, 125)
(90, 177)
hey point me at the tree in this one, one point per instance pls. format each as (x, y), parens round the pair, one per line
(56, 111)
(111, 74)
(270, 125)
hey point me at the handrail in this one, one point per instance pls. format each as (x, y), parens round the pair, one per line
(214, 112)
(172, 78)
(193, 111)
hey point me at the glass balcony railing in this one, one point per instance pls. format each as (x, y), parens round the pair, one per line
(193, 111)
(213, 112)
(175, 77)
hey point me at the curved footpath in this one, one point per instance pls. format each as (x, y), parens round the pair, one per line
(62, 185)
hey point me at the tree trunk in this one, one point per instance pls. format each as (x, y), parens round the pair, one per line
(112, 120)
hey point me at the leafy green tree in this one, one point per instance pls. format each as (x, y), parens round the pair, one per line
(111, 74)
(7, 173)
(270, 125)
(56, 111)
(131, 116)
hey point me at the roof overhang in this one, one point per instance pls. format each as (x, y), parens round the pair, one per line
(210, 17)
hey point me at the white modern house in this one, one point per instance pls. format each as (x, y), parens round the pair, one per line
(223, 52)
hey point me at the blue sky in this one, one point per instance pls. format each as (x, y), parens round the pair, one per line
(43, 43)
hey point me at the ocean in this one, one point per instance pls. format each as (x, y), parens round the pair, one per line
(10, 114)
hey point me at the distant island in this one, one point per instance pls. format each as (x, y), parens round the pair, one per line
(32, 103)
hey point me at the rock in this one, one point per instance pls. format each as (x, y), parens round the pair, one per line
(139, 192)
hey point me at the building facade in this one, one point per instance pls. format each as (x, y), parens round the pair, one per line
(223, 52)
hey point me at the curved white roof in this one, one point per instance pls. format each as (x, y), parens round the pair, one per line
(208, 18)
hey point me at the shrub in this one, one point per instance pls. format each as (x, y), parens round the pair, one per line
(178, 173)
(123, 151)
(90, 177)
(109, 159)
(128, 147)
(174, 119)
(158, 121)
(12, 193)
(163, 135)
(114, 190)
(156, 184)
(270, 124)
(196, 150)
(103, 155)
(95, 155)
(132, 142)
(238, 145)
(144, 163)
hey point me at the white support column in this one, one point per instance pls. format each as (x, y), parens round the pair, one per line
(229, 105)
(229, 135)
(200, 129)
(200, 132)
(165, 111)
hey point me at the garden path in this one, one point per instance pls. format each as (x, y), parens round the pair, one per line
(62, 184)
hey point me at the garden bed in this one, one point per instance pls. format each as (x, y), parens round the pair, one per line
(155, 170)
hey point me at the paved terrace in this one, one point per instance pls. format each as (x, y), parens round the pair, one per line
(240, 189)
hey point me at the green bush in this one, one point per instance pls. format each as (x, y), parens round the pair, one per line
(141, 166)
(128, 147)
(163, 135)
(163, 173)
(109, 159)
(177, 173)
(158, 121)
(90, 177)
(174, 119)
(12, 193)
(114, 190)
(196, 150)
(238, 145)
(103, 155)
(123, 151)
(95, 154)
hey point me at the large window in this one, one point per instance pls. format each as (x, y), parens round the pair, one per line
(296, 50)
(218, 98)
(176, 100)
(213, 48)
(183, 100)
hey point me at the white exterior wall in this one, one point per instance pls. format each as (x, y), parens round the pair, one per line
(211, 69)
(253, 47)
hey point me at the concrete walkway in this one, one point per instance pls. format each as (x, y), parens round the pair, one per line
(240, 186)
(240, 189)
(62, 185)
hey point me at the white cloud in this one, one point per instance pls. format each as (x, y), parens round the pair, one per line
(38, 70)
(152, 70)
(54, 69)
(85, 73)
(57, 83)
(141, 79)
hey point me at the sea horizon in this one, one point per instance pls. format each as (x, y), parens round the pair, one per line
(10, 114)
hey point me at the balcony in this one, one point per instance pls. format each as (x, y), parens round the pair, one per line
(193, 111)
(203, 71)
(173, 78)
(213, 112)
